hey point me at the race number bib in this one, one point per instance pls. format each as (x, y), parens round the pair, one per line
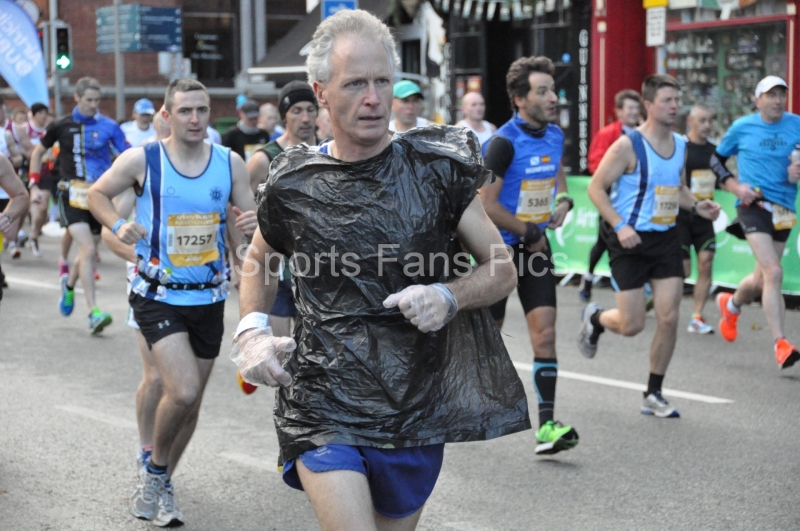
(249, 149)
(192, 238)
(783, 218)
(535, 200)
(665, 205)
(703, 183)
(79, 194)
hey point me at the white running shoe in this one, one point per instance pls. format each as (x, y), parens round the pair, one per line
(168, 513)
(145, 500)
(655, 404)
(698, 326)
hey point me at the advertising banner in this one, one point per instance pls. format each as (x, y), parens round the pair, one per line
(21, 60)
(733, 261)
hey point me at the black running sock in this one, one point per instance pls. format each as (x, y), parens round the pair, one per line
(545, 373)
(156, 469)
(654, 383)
(596, 326)
(70, 288)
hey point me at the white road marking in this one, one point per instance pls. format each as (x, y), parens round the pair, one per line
(102, 417)
(627, 385)
(36, 284)
(270, 464)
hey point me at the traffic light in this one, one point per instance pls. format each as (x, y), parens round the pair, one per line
(63, 59)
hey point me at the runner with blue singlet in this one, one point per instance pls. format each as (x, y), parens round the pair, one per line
(766, 191)
(528, 196)
(184, 185)
(87, 141)
(645, 172)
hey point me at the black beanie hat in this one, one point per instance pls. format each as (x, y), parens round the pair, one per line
(293, 92)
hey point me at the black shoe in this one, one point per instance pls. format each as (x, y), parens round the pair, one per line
(585, 293)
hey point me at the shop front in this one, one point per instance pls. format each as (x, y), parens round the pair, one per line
(719, 61)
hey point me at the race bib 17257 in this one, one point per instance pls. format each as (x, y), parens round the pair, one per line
(192, 238)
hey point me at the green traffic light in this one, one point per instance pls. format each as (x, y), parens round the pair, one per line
(63, 62)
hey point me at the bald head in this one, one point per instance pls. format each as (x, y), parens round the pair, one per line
(473, 106)
(700, 122)
(268, 117)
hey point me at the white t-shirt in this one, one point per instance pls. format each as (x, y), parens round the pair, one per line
(421, 122)
(484, 135)
(213, 135)
(134, 135)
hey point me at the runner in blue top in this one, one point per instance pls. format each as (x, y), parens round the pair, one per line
(528, 196)
(87, 141)
(645, 171)
(184, 187)
(766, 190)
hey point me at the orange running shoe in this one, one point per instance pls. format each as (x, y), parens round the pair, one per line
(727, 320)
(247, 388)
(786, 354)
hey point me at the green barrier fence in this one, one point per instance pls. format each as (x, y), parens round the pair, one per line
(733, 261)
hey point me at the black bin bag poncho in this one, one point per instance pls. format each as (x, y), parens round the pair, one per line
(356, 233)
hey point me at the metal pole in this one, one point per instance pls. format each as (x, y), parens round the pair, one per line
(119, 65)
(54, 75)
(261, 29)
(246, 33)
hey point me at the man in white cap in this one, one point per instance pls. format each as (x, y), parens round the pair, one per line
(141, 127)
(766, 189)
(406, 107)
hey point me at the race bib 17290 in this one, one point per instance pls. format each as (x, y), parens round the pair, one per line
(192, 238)
(665, 205)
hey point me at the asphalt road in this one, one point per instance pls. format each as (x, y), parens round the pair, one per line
(731, 462)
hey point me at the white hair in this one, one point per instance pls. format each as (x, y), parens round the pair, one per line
(355, 22)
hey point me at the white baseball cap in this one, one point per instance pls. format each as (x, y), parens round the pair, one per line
(768, 83)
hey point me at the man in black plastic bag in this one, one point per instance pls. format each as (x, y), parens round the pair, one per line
(395, 352)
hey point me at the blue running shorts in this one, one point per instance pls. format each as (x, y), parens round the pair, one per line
(400, 479)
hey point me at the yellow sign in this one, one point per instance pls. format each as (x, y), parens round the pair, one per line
(647, 4)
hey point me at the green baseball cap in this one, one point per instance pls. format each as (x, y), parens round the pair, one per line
(406, 88)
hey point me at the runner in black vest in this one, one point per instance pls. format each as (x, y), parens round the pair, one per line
(696, 231)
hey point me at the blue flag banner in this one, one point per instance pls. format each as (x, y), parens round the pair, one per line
(21, 61)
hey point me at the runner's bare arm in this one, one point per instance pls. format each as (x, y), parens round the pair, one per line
(496, 212)
(242, 197)
(258, 166)
(561, 209)
(128, 170)
(495, 276)
(11, 145)
(619, 159)
(259, 284)
(36, 158)
(18, 205)
(124, 204)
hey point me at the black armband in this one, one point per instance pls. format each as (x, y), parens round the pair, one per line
(532, 234)
(566, 199)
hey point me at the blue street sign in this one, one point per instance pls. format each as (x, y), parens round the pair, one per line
(142, 29)
(331, 7)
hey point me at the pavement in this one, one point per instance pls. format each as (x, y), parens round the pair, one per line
(68, 431)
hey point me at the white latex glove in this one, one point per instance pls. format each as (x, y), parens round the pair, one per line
(428, 308)
(259, 354)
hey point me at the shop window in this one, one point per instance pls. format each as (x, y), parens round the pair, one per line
(209, 40)
(721, 67)
(411, 56)
(706, 10)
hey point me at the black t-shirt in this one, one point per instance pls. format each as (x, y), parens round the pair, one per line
(698, 171)
(698, 156)
(245, 144)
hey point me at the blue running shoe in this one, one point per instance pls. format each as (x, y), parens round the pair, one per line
(98, 320)
(67, 301)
